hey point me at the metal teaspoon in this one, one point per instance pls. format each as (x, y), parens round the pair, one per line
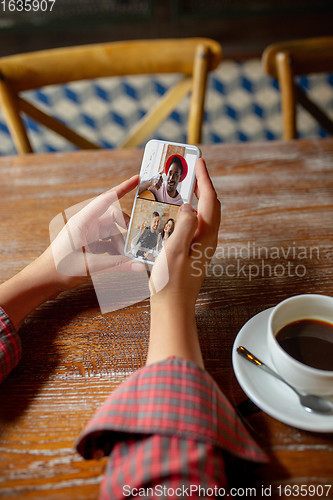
(311, 402)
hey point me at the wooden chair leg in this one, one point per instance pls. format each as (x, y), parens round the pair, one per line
(197, 102)
(286, 81)
(10, 109)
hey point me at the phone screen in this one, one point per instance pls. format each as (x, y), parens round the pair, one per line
(167, 180)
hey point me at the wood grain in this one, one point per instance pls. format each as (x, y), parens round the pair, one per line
(274, 196)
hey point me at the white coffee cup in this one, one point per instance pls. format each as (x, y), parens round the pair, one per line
(302, 376)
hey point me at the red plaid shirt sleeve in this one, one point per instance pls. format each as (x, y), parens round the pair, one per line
(10, 346)
(167, 427)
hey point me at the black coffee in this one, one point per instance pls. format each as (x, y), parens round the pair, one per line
(310, 341)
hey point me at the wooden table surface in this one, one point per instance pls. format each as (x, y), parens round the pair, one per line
(274, 195)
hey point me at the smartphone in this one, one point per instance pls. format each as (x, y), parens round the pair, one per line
(167, 180)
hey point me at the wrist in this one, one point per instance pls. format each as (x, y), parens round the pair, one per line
(172, 313)
(173, 330)
(43, 277)
(163, 303)
(49, 279)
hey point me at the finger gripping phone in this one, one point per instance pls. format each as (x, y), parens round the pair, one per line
(167, 180)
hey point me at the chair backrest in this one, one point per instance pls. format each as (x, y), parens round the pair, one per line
(287, 60)
(193, 58)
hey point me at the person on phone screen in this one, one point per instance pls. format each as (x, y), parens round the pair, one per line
(144, 243)
(166, 232)
(167, 191)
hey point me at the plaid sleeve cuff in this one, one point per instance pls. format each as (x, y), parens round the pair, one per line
(10, 346)
(174, 397)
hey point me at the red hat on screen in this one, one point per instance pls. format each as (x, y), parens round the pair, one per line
(184, 164)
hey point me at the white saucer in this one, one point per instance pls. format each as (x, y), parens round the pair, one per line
(268, 393)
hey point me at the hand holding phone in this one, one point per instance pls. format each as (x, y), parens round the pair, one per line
(167, 181)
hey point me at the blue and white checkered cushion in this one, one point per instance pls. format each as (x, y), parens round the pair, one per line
(242, 104)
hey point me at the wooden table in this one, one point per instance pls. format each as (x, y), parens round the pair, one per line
(273, 195)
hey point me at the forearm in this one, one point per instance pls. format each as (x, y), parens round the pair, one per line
(173, 331)
(35, 284)
(144, 185)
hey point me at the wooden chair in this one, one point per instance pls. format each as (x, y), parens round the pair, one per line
(193, 58)
(287, 60)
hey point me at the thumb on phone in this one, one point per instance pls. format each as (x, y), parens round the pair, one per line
(185, 227)
(175, 252)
